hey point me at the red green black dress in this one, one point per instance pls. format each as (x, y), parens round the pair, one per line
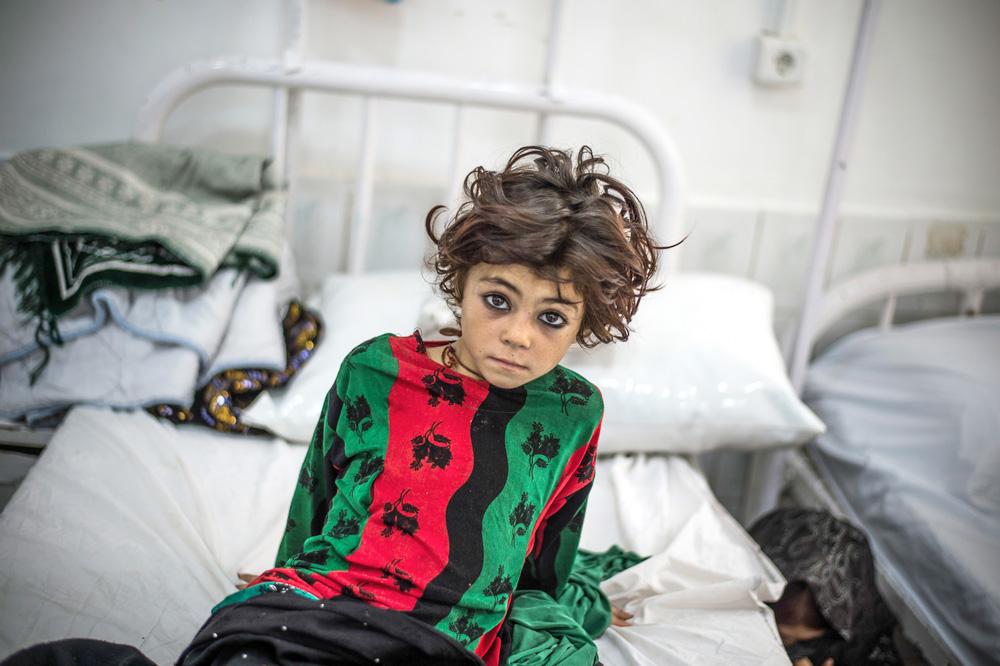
(435, 496)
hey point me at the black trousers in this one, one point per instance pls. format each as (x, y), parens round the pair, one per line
(284, 629)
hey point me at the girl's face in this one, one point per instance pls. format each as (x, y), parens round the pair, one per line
(515, 326)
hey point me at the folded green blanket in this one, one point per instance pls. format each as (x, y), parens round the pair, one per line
(129, 214)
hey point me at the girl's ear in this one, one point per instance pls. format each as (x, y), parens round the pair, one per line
(456, 330)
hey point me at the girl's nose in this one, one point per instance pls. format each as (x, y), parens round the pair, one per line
(518, 333)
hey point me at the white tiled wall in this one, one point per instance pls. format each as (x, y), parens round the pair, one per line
(720, 240)
(775, 249)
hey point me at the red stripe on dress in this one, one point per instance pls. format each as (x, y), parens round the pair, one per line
(420, 557)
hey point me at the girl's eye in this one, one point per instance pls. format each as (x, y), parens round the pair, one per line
(496, 301)
(553, 319)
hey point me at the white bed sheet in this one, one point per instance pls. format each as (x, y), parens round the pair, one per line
(697, 599)
(130, 529)
(913, 447)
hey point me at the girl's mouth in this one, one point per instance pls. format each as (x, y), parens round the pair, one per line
(507, 364)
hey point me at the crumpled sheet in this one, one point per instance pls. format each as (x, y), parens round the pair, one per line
(699, 597)
(583, 597)
(130, 529)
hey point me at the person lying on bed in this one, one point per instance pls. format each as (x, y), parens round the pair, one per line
(438, 509)
(830, 612)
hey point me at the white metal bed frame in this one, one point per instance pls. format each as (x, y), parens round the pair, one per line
(803, 475)
(372, 83)
(291, 76)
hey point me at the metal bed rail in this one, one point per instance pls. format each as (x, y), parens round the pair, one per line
(804, 474)
(374, 83)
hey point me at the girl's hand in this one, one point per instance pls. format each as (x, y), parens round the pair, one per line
(247, 578)
(620, 618)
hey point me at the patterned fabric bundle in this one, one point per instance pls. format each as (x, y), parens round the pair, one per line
(220, 404)
(833, 558)
(435, 496)
(133, 215)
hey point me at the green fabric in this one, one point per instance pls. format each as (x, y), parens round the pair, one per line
(597, 567)
(252, 591)
(134, 215)
(559, 631)
(544, 633)
(582, 595)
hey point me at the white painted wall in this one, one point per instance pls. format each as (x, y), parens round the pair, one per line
(76, 72)
(927, 150)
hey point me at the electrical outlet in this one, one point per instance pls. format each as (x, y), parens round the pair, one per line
(780, 61)
(945, 241)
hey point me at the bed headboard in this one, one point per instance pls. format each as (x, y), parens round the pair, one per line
(375, 83)
(885, 284)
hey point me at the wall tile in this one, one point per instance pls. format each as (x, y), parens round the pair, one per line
(782, 261)
(720, 241)
(988, 239)
(862, 243)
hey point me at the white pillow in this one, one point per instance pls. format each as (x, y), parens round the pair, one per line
(701, 371)
(354, 308)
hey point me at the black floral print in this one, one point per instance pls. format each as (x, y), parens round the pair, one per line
(400, 515)
(431, 446)
(359, 416)
(571, 391)
(307, 481)
(357, 591)
(404, 581)
(445, 385)
(466, 626)
(520, 517)
(344, 526)
(541, 448)
(370, 464)
(499, 587)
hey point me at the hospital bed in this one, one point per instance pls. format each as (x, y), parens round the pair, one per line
(911, 453)
(130, 529)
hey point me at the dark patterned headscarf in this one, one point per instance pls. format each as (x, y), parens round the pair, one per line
(832, 557)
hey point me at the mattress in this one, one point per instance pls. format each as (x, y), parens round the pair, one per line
(130, 529)
(913, 448)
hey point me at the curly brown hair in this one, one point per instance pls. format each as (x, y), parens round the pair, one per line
(557, 218)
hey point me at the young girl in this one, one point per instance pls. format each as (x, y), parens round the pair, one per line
(445, 481)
